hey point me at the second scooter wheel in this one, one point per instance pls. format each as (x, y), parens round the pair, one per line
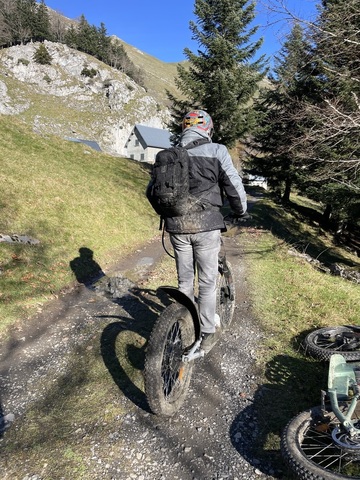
(324, 342)
(225, 300)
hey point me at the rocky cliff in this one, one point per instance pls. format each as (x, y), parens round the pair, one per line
(60, 99)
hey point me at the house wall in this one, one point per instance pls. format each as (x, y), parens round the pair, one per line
(135, 151)
(151, 153)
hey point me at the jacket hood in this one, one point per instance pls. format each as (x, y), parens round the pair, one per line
(191, 134)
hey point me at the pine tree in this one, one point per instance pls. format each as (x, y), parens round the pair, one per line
(277, 139)
(8, 15)
(42, 55)
(86, 41)
(24, 20)
(333, 136)
(71, 37)
(103, 44)
(41, 27)
(221, 78)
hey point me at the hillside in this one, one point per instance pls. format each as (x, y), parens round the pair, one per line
(159, 76)
(59, 99)
(68, 197)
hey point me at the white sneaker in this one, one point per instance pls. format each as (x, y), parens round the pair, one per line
(217, 320)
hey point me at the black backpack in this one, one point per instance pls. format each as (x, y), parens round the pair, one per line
(168, 190)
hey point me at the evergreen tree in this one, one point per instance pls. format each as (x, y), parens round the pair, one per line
(42, 55)
(23, 20)
(221, 78)
(41, 28)
(71, 38)
(333, 136)
(8, 15)
(86, 41)
(277, 139)
(103, 44)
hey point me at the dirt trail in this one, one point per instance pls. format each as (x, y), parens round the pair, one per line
(213, 434)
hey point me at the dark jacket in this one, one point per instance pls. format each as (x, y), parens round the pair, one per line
(212, 175)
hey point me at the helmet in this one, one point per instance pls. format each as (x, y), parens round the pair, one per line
(199, 119)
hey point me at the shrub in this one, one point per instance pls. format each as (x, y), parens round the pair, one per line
(89, 72)
(23, 61)
(42, 55)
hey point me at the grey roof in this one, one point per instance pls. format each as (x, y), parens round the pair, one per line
(153, 137)
(89, 143)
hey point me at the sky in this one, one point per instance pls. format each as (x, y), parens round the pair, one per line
(161, 27)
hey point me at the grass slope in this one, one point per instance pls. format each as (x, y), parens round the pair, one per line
(159, 76)
(67, 196)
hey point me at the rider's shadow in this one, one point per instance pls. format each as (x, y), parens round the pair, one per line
(294, 385)
(123, 342)
(85, 268)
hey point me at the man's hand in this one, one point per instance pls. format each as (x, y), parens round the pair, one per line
(233, 220)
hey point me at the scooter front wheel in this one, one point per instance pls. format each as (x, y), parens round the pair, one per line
(308, 447)
(166, 376)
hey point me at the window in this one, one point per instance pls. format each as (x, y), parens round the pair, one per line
(142, 157)
(137, 143)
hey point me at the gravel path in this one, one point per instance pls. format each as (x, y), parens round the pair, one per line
(209, 439)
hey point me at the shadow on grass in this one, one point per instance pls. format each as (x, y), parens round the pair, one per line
(295, 384)
(289, 223)
(85, 268)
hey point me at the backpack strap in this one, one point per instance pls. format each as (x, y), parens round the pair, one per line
(196, 143)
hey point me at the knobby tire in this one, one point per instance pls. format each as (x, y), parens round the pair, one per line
(166, 377)
(309, 450)
(324, 342)
(225, 300)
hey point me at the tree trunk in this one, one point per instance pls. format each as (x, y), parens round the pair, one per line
(286, 196)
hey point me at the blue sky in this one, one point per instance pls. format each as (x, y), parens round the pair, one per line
(161, 27)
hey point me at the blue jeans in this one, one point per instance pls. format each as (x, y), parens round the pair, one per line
(199, 251)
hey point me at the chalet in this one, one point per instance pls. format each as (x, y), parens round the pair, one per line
(145, 142)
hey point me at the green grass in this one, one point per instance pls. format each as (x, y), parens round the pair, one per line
(67, 196)
(290, 298)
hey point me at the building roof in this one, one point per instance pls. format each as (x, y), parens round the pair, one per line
(152, 137)
(89, 143)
